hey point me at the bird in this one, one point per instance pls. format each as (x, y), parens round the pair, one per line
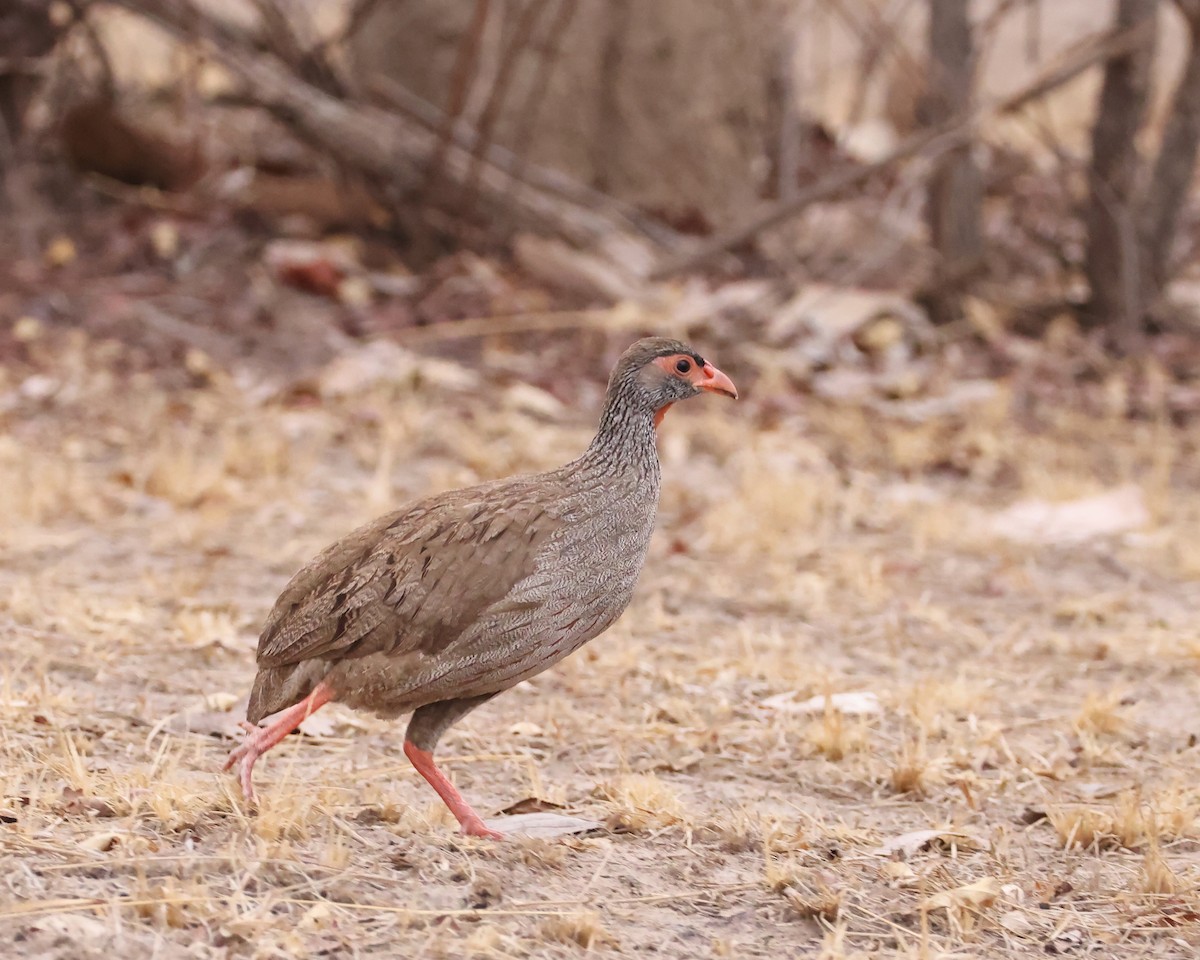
(435, 608)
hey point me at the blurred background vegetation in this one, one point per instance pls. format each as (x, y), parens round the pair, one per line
(878, 177)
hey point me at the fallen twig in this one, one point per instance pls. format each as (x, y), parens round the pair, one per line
(518, 168)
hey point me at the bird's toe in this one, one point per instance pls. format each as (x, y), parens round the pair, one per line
(235, 755)
(477, 828)
(247, 747)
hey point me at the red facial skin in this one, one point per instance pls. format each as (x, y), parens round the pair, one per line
(702, 377)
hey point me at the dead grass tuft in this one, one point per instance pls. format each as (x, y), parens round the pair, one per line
(835, 736)
(807, 892)
(539, 854)
(485, 941)
(582, 928)
(640, 802)
(814, 898)
(1132, 822)
(1156, 875)
(747, 830)
(1101, 714)
(913, 772)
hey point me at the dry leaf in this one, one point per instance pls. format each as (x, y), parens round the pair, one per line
(74, 802)
(324, 724)
(26, 329)
(221, 701)
(854, 704)
(60, 251)
(316, 276)
(559, 265)
(334, 720)
(382, 362)
(544, 826)
(76, 928)
(909, 843)
(958, 399)
(1017, 922)
(981, 893)
(530, 805)
(701, 307)
(208, 723)
(164, 238)
(39, 387)
(316, 917)
(317, 268)
(530, 399)
(1068, 941)
(356, 292)
(683, 763)
(101, 842)
(899, 874)
(844, 384)
(1073, 521)
(823, 316)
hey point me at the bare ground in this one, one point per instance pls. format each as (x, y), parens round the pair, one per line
(1033, 706)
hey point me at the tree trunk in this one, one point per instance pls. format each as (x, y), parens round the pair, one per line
(956, 187)
(1113, 265)
(1174, 168)
(27, 31)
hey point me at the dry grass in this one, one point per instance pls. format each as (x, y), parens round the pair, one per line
(1036, 705)
(1133, 821)
(581, 929)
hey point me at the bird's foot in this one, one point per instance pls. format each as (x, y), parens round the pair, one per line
(470, 823)
(261, 739)
(246, 753)
(473, 826)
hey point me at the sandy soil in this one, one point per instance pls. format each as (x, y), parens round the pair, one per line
(1015, 777)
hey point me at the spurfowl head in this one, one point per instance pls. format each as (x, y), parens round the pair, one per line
(657, 372)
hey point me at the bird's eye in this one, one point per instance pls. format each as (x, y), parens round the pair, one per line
(683, 366)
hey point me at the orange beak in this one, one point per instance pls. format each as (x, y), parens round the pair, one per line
(712, 379)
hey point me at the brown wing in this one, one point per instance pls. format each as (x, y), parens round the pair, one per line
(414, 579)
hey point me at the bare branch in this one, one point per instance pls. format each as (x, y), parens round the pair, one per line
(358, 15)
(522, 31)
(1097, 48)
(532, 106)
(1190, 11)
(79, 13)
(465, 66)
(519, 168)
(393, 152)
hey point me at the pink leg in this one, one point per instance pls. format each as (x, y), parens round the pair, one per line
(261, 739)
(469, 821)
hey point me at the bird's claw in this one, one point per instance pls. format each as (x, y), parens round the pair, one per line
(238, 752)
(244, 755)
(477, 828)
